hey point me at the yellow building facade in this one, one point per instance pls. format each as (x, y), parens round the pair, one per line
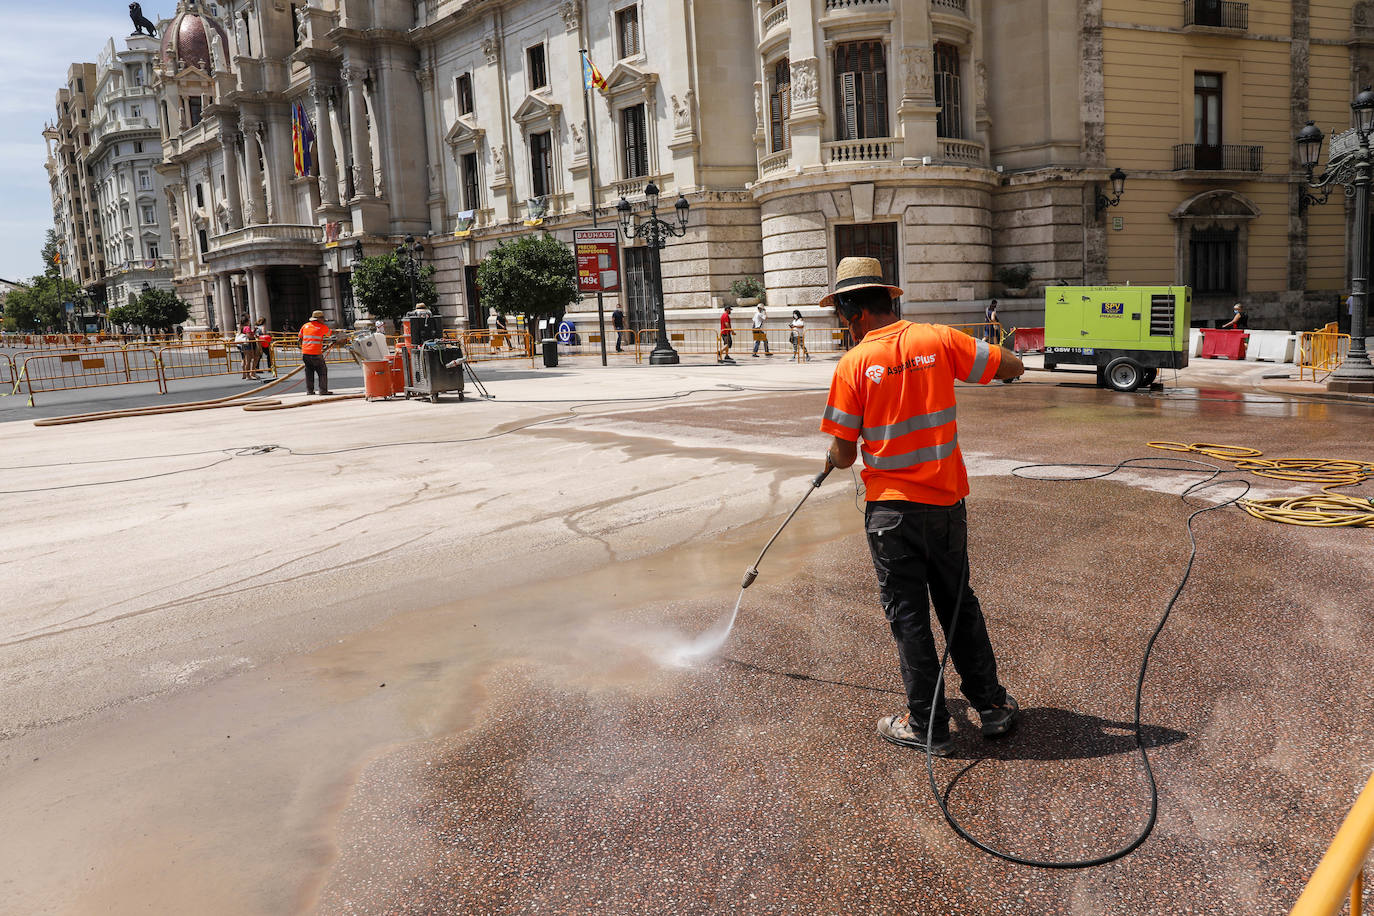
(1201, 102)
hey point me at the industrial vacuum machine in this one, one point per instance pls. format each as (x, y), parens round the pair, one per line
(432, 366)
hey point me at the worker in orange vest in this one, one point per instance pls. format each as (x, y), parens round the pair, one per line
(895, 391)
(315, 337)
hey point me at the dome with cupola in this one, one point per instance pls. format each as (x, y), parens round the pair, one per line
(187, 37)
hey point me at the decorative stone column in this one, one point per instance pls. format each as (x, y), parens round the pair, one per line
(362, 142)
(258, 306)
(224, 302)
(324, 146)
(252, 141)
(233, 196)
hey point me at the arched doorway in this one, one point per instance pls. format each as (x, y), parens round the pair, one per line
(1212, 235)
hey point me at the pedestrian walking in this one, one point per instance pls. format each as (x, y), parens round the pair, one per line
(1239, 320)
(760, 335)
(244, 344)
(618, 322)
(315, 335)
(727, 337)
(990, 329)
(264, 335)
(502, 336)
(895, 390)
(798, 337)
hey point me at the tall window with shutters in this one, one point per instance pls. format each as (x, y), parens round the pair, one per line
(860, 90)
(627, 30)
(780, 106)
(541, 164)
(464, 93)
(635, 144)
(472, 199)
(950, 121)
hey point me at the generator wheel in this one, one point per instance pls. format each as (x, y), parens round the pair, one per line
(1123, 374)
(1148, 377)
(434, 398)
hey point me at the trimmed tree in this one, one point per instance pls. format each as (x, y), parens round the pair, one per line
(41, 305)
(535, 275)
(160, 309)
(381, 285)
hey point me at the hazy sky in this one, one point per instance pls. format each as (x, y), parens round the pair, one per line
(38, 41)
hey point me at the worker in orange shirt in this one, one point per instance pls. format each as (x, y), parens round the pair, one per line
(895, 390)
(315, 338)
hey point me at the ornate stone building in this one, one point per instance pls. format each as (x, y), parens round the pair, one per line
(68, 139)
(128, 193)
(940, 136)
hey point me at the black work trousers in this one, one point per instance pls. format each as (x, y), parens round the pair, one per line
(315, 366)
(920, 553)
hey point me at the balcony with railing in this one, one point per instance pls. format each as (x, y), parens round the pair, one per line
(955, 6)
(844, 152)
(271, 232)
(961, 152)
(774, 17)
(837, 5)
(1226, 157)
(1216, 14)
(777, 162)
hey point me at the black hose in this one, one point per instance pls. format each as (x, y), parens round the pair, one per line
(942, 799)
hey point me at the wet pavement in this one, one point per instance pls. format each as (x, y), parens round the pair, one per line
(519, 745)
(595, 780)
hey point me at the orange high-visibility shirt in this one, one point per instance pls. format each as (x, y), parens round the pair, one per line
(313, 336)
(896, 390)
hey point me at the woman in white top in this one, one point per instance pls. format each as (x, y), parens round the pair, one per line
(799, 337)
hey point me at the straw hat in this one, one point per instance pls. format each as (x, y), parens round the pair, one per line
(317, 314)
(859, 273)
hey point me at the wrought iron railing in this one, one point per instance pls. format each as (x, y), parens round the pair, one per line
(1217, 14)
(1227, 157)
(849, 4)
(960, 5)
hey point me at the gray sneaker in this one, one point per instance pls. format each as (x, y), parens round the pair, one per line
(901, 730)
(999, 719)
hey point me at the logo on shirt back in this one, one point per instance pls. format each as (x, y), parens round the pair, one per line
(875, 374)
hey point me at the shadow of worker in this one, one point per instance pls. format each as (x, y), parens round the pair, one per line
(1049, 733)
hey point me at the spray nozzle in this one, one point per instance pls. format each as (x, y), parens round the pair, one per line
(750, 575)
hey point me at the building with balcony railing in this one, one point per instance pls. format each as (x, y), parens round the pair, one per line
(128, 192)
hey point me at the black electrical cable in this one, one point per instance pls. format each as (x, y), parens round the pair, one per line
(942, 799)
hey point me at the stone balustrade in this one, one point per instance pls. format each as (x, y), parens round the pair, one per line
(774, 17)
(964, 152)
(774, 163)
(871, 149)
(274, 232)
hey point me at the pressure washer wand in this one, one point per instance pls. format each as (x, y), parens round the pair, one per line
(752, 572)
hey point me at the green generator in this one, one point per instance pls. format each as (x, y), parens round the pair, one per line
(1128, 332)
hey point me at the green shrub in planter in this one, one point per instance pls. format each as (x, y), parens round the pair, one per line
(748, 288)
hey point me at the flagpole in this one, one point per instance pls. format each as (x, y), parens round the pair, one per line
(591, 162)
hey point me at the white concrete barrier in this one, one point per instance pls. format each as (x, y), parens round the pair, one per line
(1194, 342)
(1272, 346)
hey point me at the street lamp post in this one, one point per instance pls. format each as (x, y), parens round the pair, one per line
(1349, 166)
(655, 233)
(411, 254)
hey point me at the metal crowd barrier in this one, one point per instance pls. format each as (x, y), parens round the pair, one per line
(204, 361)
(8, 375)
(1321, 351)
(76, 370)
(1340, 874)
(481, 346)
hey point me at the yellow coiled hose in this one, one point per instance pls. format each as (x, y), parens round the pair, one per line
(1315, 510)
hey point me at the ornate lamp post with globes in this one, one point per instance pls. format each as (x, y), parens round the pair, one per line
(411, 253)
(1350, 167)
(655, 233)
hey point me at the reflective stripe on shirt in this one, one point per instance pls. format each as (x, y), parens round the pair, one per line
(980, 362)
(923, 421)
(847, 420)
(910, 459)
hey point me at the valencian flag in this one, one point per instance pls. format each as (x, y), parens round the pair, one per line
(301, 138)
(591, 77)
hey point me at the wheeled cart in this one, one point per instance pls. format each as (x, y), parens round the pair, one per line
(433, 369)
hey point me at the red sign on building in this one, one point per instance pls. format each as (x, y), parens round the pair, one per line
(598, 260)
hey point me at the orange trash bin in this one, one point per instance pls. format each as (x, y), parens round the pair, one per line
(377, 381)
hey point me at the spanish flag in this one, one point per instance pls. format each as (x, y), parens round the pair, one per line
(591, 77)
